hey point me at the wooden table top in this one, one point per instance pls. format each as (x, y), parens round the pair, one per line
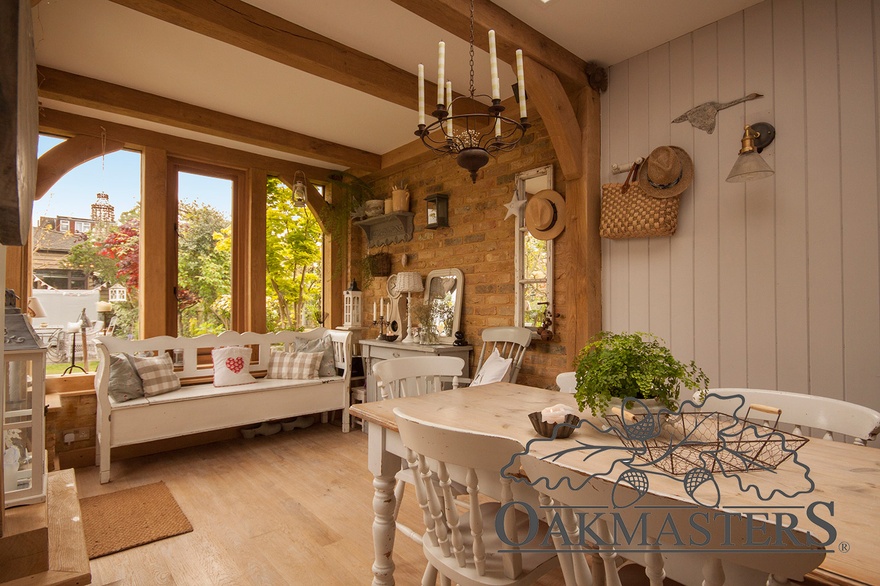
(846, 474)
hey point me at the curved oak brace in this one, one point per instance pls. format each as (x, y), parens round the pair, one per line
(66, 156)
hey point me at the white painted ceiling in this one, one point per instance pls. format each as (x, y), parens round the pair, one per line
(105, 41)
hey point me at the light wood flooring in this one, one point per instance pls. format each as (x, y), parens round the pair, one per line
(294, 508)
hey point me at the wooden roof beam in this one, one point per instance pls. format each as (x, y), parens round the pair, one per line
(247, 27)
(510, 34)
(92, 93)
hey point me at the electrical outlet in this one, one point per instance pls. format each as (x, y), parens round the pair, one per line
(79, 434)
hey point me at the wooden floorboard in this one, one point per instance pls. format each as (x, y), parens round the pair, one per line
(293, 508)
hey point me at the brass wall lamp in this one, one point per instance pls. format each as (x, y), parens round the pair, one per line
(750, 165)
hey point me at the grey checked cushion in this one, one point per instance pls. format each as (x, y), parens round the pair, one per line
(328, 361)
(124, 384)
(280, 364)
(158, 374)
(305, 365)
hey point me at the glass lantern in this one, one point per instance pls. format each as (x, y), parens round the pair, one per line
(352, 300)
(24, 429)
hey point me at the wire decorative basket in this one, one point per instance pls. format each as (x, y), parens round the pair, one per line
(679, 442)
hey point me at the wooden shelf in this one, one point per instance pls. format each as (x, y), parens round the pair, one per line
(388, 228)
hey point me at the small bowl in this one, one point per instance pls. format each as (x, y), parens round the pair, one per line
(545, 429)
(389, 337)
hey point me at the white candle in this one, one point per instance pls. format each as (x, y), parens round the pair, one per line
(449, 107)
(498, 127)
(521, 82)
(374, 311)
(441, 71)
(382, 306)
(421, 95)
(493, 65)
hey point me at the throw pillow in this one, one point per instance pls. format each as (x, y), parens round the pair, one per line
(495, 369)
(231, 366)
(124, 383)
(328, 360)
(280, 364)
(306, 365)
(158, 374)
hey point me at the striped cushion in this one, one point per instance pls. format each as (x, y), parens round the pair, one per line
(294, 365)
(158, 374)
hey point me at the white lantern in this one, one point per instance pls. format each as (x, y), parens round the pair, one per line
(352, 299)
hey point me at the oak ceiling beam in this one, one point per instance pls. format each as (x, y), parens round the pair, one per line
(63, 157)
(247, 27)
(66, 124)
(92, 93)
(510, 34)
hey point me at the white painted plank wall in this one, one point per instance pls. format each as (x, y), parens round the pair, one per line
(773, 283)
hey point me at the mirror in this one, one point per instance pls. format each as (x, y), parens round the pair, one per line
(444, 290)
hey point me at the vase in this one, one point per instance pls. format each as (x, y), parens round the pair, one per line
(400, 200)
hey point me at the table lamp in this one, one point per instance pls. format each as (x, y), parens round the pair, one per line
(409, 283)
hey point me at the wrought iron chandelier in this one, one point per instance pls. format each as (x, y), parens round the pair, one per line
(472, 138)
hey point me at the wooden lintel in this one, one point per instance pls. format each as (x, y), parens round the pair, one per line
(92, 93)
(67, 124)
(60, 159)
(548, 96)
(510, 34)
(245, 26)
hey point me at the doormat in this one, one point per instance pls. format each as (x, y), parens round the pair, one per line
(117, 521)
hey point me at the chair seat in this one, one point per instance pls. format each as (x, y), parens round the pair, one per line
(534, 563)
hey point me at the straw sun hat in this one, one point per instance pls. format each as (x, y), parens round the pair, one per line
(667, 172)
(545, 214)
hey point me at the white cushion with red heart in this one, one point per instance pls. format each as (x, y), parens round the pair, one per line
(231, 366)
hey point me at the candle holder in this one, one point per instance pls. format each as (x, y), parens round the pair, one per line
(382, 323)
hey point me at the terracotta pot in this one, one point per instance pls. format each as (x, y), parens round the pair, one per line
(400, 200)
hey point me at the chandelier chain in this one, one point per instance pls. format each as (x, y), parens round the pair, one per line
(473, 87)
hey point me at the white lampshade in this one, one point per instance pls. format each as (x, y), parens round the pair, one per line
(103, 306)
(409, 282)
(35, 308)
(748, 167)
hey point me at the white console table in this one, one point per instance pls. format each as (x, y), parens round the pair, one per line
(375, 350)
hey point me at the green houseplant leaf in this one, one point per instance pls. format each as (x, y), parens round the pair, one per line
(631, 365)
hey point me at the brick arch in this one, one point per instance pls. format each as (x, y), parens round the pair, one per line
(66, 156)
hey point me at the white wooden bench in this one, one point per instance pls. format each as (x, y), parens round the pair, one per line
(200, 406)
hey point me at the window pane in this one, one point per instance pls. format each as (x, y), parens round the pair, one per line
(204, 254)
(533, 294)
(535, 258)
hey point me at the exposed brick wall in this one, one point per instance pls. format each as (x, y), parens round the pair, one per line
(480, 242)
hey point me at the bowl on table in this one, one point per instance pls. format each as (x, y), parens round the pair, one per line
(545, 428)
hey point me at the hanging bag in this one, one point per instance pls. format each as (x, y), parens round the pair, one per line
(628, 212)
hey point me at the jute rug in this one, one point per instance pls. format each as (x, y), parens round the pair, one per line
(128, 518)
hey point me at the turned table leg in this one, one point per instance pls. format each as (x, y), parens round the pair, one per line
(383, 530)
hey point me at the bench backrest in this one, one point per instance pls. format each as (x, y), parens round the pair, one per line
(189, 367)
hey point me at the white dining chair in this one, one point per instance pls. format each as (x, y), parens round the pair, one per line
(411, 377)
(466, 548)
(830, 416)
(511, 343)
(566, 382)
(652, 545)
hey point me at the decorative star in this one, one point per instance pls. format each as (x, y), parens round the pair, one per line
(514, 206)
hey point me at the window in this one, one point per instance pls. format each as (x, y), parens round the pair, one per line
(534, 257)
(83, 227)
(63, 225)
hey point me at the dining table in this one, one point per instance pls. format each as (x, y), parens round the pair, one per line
(837, 481)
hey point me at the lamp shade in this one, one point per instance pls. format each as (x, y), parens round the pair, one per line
(749, 166)
(35, 308)
(409, 282)
(103, 307)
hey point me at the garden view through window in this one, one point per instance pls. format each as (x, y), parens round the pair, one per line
(86, 256)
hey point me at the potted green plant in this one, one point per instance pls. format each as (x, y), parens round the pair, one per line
(615, 366)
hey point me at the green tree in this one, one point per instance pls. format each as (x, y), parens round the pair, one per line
(86, 256)
(204, 263)
(294, 244)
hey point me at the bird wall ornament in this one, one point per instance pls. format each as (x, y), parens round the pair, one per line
(703, 116)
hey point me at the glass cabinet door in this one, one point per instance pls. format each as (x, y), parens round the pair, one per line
(24, 455)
